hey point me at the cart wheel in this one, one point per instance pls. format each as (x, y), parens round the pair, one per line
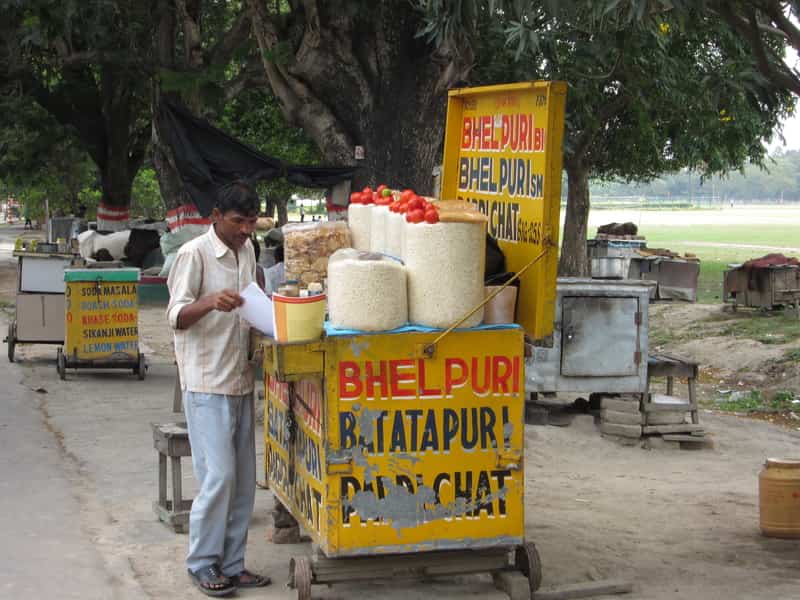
(300, 577)
(12, 341)
(61, 364)
(140, 369)
(526, 559)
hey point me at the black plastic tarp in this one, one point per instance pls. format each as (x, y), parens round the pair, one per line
(207, 158)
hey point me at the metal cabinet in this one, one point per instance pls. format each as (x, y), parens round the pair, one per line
(599, 342)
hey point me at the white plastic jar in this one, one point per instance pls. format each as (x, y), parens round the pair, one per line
(445, 264)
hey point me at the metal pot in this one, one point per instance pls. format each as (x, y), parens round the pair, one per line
(608, 267)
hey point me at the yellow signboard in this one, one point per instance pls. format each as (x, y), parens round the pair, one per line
(502, 152)
(102, 320)
(401, 454)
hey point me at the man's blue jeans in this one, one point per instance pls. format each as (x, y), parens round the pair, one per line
(221, 433)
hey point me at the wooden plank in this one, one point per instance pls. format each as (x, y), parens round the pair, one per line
(586, 590)
(655, 408)
(332, 570)
(627, 431)
(692, 439)
(685, 428)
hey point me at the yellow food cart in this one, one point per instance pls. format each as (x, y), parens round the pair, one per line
(402, 453)
(102, 321)
(384, 446)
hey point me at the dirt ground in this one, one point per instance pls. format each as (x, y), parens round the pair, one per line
(677, 523)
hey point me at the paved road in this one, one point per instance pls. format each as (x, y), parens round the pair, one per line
(46, 550)
(46, 553)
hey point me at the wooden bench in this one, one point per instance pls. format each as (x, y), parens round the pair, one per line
(171, 440)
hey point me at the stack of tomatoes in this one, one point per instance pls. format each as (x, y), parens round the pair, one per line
(381, 197)
(415, 208)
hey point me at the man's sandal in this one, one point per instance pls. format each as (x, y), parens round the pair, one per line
(246, 579)
(212, 582)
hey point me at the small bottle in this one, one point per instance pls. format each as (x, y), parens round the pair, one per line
(314, 288)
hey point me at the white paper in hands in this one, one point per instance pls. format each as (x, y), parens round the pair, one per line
(257, 309)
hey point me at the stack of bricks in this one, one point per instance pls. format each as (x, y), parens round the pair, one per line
(620, 416)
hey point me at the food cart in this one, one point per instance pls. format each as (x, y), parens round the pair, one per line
(102, 321)
(401, 453)
(39, 312)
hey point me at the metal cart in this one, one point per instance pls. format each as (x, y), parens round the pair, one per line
(102, 321)
(39, 313)
(398, 463)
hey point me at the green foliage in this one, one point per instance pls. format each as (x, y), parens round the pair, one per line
(793, 355)
(255, 118)
(777, 178)
(40, 159)
(146, 196)
(754, 401)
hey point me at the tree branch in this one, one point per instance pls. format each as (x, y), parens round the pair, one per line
(774, 10)
(238, 33)
(252, 74)
(749, 29)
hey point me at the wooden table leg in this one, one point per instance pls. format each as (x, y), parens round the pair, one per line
(177, 483)
(162, 480)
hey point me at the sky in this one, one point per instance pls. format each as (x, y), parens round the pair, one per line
(791, 133)
(791, 127)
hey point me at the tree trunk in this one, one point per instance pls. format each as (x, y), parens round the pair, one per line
(180, 48)
(283, 213)
(124, 153)
(361, 79)
(574, 260)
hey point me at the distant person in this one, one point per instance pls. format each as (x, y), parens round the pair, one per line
(302, 213)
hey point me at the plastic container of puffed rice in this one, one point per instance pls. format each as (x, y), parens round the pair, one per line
(378, 228)
(366, 291)
(395, 231)
(359, 218)
(445, 265)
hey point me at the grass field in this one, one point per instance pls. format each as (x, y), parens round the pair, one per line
(719, 237)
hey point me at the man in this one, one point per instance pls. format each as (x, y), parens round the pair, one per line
(211, 347)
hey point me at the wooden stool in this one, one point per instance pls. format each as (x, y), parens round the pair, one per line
(171, 440)
(657, 408)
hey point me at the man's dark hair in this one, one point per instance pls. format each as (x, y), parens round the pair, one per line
(239, 197)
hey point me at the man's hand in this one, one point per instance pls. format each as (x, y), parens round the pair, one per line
(225, 301)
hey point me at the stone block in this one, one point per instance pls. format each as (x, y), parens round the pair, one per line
(628, 431)
(618, 405)
(622, 418)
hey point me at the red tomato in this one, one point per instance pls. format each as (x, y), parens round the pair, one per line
(366, 198)
(402, 207)
(367, 190)
(406, 195)
(381, 187)
(431, 216)
(415, 203)
(416, 216)
(355, 197)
